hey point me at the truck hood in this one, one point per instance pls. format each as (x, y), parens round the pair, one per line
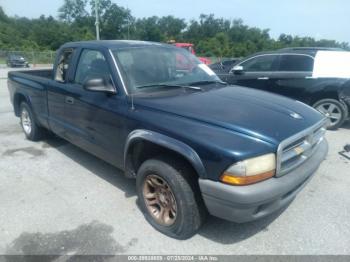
(261, 115)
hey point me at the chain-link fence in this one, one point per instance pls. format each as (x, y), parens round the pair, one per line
(35, 58)
(214, 59)
(32, 57)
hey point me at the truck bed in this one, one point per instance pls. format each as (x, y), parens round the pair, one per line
(31, 85)
(43, 73)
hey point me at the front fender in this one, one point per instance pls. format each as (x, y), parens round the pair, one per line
(167, 142)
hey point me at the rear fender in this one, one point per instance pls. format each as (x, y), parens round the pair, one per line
(18, 98)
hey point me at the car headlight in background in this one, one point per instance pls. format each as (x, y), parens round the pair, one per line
(250, 171)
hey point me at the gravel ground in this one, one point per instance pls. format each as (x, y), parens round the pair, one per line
(58, 199)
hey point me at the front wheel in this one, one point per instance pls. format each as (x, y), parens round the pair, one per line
(169, 198)
(334, 110)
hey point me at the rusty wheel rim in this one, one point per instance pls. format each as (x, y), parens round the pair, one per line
(159, 200)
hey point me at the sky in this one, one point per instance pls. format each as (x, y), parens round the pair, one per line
(322, 19)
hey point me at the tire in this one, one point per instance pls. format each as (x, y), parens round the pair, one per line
(346, 108)
(30, 128)
(334, 110)
(187, 212)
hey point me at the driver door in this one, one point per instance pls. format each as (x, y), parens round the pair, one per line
(95, 118)
(56, 92)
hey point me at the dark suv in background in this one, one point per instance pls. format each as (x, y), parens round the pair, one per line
(289, 72)
(14, 60)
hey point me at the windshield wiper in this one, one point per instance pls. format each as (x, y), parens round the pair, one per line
(207, 82)
(169, 86)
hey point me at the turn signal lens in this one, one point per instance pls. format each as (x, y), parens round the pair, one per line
(250, 171)
(245, 180)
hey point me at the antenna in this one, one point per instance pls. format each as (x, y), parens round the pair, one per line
(132, 101)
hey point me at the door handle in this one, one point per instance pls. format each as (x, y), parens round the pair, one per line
(69, 100)
(263, 78)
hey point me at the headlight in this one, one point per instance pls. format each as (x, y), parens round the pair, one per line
(250, 171)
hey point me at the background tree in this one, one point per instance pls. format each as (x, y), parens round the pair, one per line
(115, 22)
(72, 9)
(212, 36)
(171, 27)
(148, 29)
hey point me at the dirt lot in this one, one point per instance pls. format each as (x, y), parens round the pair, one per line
(57, 199)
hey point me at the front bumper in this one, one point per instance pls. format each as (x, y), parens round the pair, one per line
(247, 203)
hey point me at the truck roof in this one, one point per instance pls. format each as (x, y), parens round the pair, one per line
(113, 44)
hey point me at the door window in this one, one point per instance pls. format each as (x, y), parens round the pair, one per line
(92, 65)
(296, 63)
(260, 64)
(63, 65)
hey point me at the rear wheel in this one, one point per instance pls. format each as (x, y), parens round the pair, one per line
(30, 128)
(334, 110)
(169, 198)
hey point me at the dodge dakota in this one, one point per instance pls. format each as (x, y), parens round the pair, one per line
(194, 144)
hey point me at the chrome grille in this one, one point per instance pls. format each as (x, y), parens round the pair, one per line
(296, 150)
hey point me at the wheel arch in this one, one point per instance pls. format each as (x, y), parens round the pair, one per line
(325, 94)
(18, 98)
(143, 144)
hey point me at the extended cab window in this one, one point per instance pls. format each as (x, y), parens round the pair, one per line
(63, 65)
(92, 65)
(296, 63)
(263, 63)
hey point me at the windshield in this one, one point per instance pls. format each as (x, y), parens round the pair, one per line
(145, 67)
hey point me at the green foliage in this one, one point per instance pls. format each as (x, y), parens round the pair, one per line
(3, 16)
(171, 27)
(115, 22)
(212, 36)
(148, 29)
(72, 9)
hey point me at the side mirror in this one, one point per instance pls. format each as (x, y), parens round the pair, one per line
(99, 85)
(237, 70)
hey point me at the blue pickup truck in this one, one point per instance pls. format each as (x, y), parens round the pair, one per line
(194, 144)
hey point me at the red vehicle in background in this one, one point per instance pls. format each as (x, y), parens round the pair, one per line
(190, 48)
